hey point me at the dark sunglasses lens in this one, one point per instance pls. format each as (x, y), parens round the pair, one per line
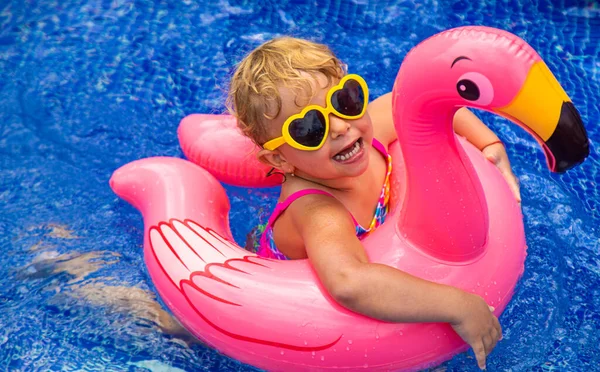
(350, 100)
(309, 130)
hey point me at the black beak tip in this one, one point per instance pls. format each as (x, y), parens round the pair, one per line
(569, 144)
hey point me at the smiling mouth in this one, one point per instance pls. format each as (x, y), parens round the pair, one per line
(349, 152)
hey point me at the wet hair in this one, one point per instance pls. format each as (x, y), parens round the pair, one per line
(254, 97)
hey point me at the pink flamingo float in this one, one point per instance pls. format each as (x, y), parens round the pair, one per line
(453, 218)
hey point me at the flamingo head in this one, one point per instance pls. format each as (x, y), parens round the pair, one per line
(493, 70)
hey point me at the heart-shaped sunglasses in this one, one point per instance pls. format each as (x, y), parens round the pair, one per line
(308, 130)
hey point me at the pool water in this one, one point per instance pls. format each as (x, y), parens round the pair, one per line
(87, 86)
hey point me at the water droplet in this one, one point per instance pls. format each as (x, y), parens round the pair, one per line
(282, 352)
(313, 353)
(350, 342)
(347, 348)
(366, 365)
(494, 282)
(323, 358)
(305, 342)
(366, 355)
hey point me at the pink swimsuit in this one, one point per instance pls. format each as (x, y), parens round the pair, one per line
(267, 247)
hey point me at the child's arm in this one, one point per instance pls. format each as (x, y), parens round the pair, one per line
(380, 291)
(468, 125)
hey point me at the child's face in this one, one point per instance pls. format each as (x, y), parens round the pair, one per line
(346, 149)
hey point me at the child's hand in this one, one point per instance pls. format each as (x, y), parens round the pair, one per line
(496, 153)
(478, 326)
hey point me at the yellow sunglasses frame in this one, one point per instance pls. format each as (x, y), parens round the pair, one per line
(285, 133)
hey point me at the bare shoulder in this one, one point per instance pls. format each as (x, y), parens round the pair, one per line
(380, 111)
(328, 233)
(316, 210)
(307, 220)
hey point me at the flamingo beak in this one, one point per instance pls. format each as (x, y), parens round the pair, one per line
(544, 109)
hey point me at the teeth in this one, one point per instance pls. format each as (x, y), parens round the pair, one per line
(347, 156)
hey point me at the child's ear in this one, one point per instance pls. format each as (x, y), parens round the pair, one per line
(274, 159)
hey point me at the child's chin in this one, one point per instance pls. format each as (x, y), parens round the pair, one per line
(354, 169)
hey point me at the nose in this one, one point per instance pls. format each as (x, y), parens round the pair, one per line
(337, 126)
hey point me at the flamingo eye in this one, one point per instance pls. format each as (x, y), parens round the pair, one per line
(468, 90)
(476, 88)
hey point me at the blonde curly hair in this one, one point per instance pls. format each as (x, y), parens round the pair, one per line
(253, 94)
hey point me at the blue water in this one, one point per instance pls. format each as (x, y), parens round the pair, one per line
(87, 86)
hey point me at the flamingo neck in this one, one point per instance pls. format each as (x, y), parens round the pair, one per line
(443, 212)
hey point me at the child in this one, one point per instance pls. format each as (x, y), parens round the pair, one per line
(294, 99)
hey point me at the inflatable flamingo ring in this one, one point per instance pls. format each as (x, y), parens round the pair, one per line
(453, 219)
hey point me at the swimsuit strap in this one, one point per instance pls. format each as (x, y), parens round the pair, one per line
(380, 147)
(292, 198)
(281, 207)
(382, 207)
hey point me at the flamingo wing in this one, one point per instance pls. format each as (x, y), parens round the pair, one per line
(244, 296)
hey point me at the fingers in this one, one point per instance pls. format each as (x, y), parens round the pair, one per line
(490, 341)
(496, 322)
(480, 355)
(514, 187)
(511, 179)
(495, 337)
(513, 182)
(498, 328)
(485, 347)
(503, 165)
